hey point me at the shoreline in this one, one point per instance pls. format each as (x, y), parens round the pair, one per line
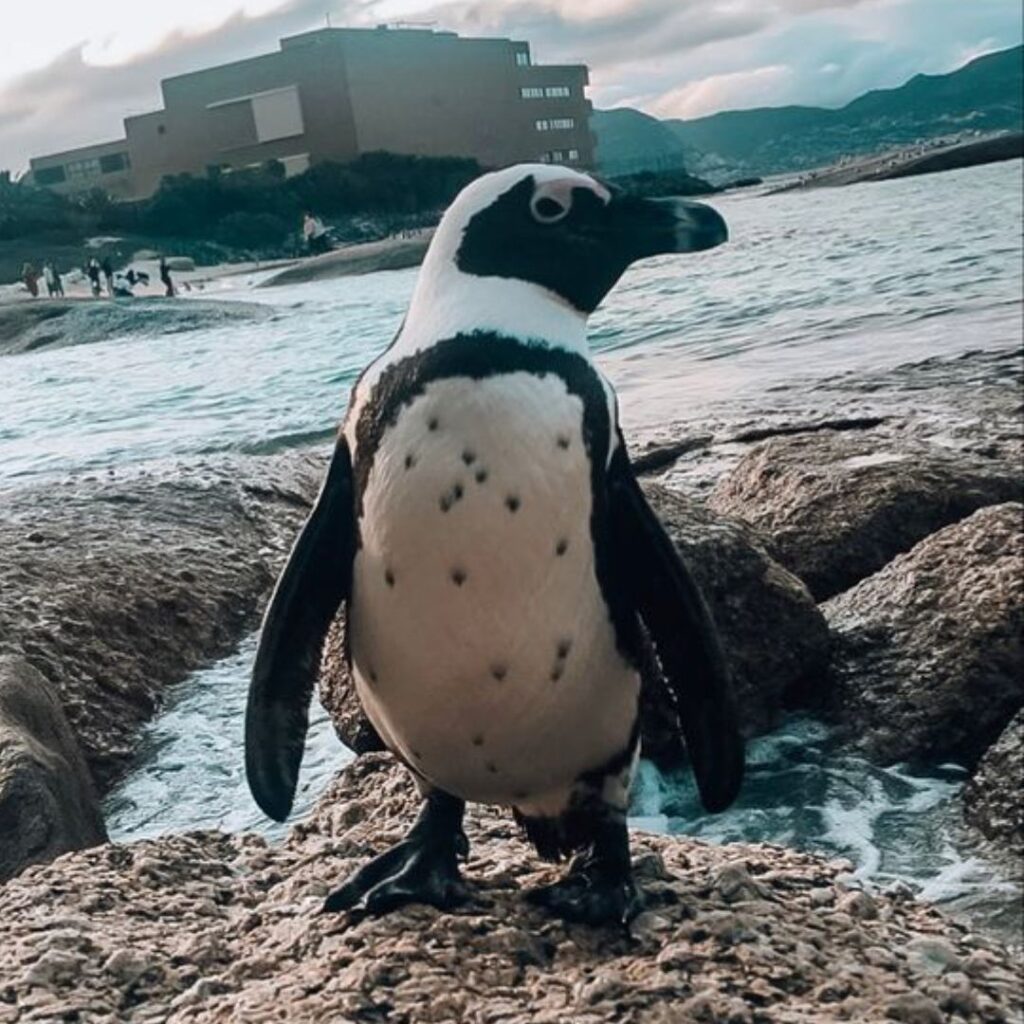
(905, 163)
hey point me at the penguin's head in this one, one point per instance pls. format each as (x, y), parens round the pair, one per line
(564, 231)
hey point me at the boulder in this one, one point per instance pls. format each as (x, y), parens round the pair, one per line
(775, 639)
(338, 695)
(205, 927)
(48, 804)
(839, 506)
(927, 653)
(993, 797)
(117, 586)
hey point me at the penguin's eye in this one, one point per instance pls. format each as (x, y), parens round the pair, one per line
(548, 210)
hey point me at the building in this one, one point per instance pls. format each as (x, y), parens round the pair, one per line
(334, 93)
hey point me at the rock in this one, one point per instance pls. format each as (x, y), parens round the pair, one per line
(48, 805)
(230, 932)
(338, 696)
(839, 506)
(993, 799)
(115, 588)
(928, 659)
(775, 639)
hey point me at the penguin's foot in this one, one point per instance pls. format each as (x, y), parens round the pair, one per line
(599, 888)
(422, 868)
(589, 895)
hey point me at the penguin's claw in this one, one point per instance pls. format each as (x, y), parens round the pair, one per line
(413, 871)
(585, 897)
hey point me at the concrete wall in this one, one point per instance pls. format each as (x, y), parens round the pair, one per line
(201, 128)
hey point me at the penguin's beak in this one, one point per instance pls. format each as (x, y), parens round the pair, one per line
(653, 227)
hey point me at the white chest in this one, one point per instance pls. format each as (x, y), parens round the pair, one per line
(482, 647)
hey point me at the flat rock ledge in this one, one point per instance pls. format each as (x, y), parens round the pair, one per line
(204, 927)
(840, 506)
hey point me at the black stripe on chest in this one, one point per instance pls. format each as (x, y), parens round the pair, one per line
(480, 356)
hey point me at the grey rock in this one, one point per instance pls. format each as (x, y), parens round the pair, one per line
(774, 637)
(994, 796)
(837, 507)
(927, 654)
(116, 587)
(48, 805)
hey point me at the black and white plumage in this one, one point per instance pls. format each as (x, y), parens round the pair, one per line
(498, 562)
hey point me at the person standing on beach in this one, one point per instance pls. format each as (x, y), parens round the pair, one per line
(165, 277)
(108, 274)
(92, 271)
(49, 275)
(30, 276)
(315, 234)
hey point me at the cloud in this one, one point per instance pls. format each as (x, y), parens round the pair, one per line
(720, 92)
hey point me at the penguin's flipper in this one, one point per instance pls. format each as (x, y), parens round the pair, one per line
(668, 600)
(316, 579)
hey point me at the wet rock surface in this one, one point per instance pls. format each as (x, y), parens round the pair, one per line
(59, 323)
(204, 927)
(840, 506)
(927, 652)
(48, 804)
(115, 587)
(994, 796)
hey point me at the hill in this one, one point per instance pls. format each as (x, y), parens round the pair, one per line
(985, 95)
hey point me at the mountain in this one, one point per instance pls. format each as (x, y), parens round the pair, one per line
(983, 96)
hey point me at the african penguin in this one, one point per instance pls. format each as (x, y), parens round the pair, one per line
(499, 566)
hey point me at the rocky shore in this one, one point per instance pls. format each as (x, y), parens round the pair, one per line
(863, 559)
(364, 258)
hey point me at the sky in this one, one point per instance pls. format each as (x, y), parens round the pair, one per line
(71, 70)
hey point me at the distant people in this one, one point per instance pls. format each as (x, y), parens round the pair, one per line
(108, 274)
(54, 285)
(134, 277)
(92, 271)
(165, 278)
(30, 276)
(315, 234)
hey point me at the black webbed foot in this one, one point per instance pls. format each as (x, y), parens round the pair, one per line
(422, 868)
(599, 887)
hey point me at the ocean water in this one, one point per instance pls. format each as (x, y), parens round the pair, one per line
(810, 286)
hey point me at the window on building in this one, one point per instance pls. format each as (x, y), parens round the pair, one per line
(531, 92)
(556, 91)
(523, 58)
(113, 162)
(79, 169)
(563, 123)
(557, 156)
(543, 125)
(574, 154)
(161, 129)
(277, 114)
(50, 175)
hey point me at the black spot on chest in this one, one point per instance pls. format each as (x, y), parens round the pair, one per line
(482, 356)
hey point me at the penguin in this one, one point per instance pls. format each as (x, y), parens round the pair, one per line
(501, 572)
